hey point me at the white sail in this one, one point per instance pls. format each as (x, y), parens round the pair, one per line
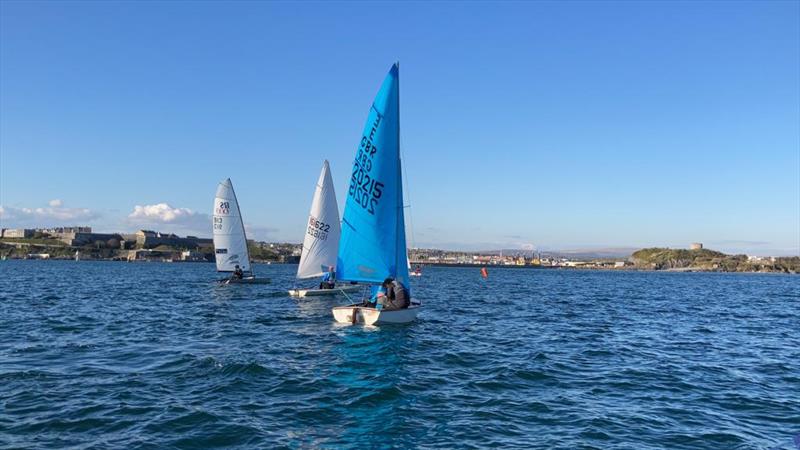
(321, 243)
(230, 242)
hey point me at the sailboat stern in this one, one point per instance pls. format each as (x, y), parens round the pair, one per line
(352, 314)
(379, 317)
(349, 314)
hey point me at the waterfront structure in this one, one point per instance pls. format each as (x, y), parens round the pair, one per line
(64, 230)
(22, 233)
(696, 246)
(77, 239)
(152, 255)
(152, 239)
(193, 256)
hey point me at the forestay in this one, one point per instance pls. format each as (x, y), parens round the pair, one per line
(230, 242)
(321, 243)
(373, 243)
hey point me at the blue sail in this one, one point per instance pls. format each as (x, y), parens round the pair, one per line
(373, 240)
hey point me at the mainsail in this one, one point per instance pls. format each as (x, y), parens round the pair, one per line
(373, 243)
(321, 243)
(230, 242)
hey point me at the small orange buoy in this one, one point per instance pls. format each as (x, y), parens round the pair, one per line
(484, 272)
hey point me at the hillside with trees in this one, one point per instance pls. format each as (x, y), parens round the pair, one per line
(706, 260)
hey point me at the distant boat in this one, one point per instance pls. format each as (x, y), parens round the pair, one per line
(373, 242)
(230, 241)
(417, 272)
(321, 243)
(77, 255)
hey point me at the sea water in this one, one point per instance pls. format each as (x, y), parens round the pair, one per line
(153, 355)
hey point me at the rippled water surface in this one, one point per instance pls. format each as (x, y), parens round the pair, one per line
(116, 355)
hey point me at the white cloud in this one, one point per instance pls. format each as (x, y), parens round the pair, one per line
(56, 203)
(161, 213)
(55, 214)
(163, 217)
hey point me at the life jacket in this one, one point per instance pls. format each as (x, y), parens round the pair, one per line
(398, 288)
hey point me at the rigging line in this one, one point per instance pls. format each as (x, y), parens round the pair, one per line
(407, 194)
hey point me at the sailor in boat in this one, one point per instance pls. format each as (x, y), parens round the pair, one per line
(238, 273)
(378, 296)
(328, 279)
(396, 295)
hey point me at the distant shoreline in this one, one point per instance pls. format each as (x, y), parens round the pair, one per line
(454, 265)
(40, 245)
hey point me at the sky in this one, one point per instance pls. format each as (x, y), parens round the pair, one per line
(548, 125)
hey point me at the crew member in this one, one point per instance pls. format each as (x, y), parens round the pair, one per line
(396, 295)
(238, 273)
(328, 279)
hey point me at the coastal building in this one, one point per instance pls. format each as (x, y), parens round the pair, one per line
(696, 246)
(64, 230)
(192, 256)
(18, 233)
(575, 263)
(147, 254)
(73, 236)
(152, 239)
(78, 239)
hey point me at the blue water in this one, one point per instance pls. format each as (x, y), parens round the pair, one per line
(116, 355)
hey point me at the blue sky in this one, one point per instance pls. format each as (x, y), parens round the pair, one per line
(554, 125)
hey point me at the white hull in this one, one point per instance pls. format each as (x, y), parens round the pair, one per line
(245, 280)
(415, 274)
(300, 293)
(352, 314)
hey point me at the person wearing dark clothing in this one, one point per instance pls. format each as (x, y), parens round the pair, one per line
(396, 295)
(238, 273)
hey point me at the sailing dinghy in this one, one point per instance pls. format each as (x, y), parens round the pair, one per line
(321, 243)
(373, 242)
(230, 242)
(417, 272)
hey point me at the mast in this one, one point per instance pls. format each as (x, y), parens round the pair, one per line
(244, 233)
(400, 216)
(402, 262)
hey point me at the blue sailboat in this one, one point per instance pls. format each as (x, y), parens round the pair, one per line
(372, 246)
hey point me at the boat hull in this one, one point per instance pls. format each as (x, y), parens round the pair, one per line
(245, 280)
(300, 293)
(352, 314)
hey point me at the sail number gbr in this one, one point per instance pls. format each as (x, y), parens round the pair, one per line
(318, 229)
(364, 189)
